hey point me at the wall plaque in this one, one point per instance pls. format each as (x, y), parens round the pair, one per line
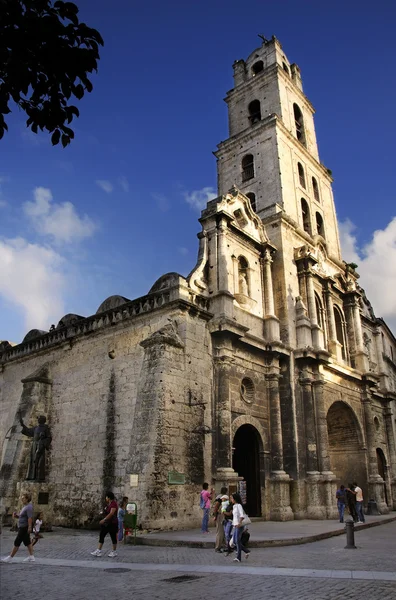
(176, 478)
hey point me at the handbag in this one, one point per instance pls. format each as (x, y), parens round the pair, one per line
(246, 520)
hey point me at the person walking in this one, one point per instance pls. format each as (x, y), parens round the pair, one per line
(238, 514)
(36, 528)
(218, 517)
(205, 505)
(359, 502)
(340, 495)
(351, 502)
(25, 527)
(109, 524)
(120, 516)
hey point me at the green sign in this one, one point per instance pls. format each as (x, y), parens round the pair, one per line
(176, 478)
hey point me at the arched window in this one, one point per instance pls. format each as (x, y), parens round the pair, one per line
(306, 216)
(299, 122)
(247, 167)
(340, 331)
(243, 278)
(257, 67)
(254, 111)
(252, 198)
(315, 188)
(319, 311)
(301, 175)
(319, 224)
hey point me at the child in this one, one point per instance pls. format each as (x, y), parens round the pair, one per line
(121, 514)
(36, 528)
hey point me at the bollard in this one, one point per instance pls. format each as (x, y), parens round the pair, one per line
(350, 533)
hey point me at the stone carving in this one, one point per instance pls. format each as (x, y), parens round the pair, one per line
(243, 286)
(41, 442)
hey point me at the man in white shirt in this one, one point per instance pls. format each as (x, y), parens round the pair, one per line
(359, 502)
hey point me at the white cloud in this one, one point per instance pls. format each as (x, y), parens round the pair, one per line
(162, 202)
(124, 183)
(59, 221)
(32, 278)
(376, 265)
(199, 198)
(105, 185)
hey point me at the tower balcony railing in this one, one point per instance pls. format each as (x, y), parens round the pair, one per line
(248, 173)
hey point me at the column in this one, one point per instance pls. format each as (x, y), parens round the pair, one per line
(222, 271)
(328, 478)
(279, 480)
(268, 287)
(312, 310)
(223, 449)
(333, 343)
(375, 482)
(271, 322)
(390, 434)
(276, 422)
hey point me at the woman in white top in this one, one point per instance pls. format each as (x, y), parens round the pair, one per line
(238, 514)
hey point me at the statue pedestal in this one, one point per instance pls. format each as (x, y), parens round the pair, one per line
(41, 493)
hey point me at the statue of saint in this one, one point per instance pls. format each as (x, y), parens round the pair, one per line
(243, 286)
(41, 442)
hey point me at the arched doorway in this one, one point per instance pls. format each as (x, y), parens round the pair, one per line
(347, 456)
(246, 462)
(382, 470)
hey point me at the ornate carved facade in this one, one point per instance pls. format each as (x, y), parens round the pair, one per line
(266, 362)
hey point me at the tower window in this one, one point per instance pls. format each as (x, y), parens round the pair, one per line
(286, 68)
(299, 122)
(301, 175)
(252, 198)
(247, 167)
(306, 216)
(254, 111)
(315, 188)
(319, 224)
(257, 67)
(340, 331)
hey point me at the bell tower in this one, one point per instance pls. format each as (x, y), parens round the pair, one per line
(271, 154)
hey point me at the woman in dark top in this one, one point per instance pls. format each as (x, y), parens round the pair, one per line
(109, 524)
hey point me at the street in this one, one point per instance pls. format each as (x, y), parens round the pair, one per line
(322, 570)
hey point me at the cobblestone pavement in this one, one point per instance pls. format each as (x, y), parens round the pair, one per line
(321, 570)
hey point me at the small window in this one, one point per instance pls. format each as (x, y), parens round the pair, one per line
(286, 68)
(319, 311)
(306, 216)
(252, 198)
(247, 167)
(319, 224)
(301, 175)
(340, 331)
(257, 67)
(254, 112)
(299, 123)
(315, 188)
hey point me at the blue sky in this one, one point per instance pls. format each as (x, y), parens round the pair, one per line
(118, 208)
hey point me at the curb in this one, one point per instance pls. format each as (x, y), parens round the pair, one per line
(296, 541)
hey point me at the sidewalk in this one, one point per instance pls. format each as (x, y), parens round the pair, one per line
(263, 534)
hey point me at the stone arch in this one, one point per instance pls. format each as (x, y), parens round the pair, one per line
(247, 461)
(248, 420)
(346, 444)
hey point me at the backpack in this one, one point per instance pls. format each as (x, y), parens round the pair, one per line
(202, 501)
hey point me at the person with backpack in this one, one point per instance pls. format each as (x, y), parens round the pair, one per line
(204, 504)
(218, 517)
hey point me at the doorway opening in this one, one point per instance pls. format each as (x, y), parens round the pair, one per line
(246, 462)
(381, 462)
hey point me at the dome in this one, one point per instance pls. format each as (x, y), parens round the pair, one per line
(112, 302)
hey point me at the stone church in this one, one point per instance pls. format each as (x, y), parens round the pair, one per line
(265, 364)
